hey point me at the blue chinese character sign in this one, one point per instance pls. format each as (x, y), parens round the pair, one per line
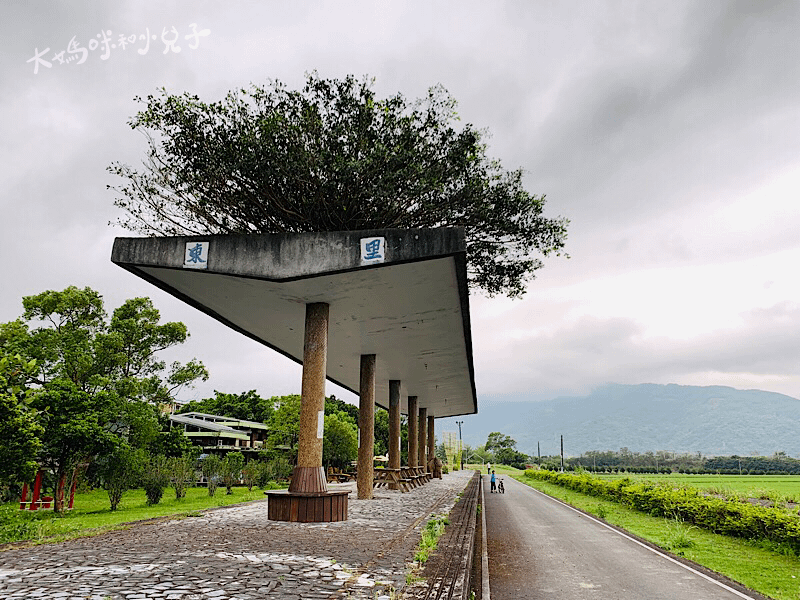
(196, 256)
(373, 250)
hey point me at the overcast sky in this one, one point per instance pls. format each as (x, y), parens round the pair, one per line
(667, 132)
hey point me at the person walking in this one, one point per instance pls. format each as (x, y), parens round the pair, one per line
(488, 468)
(494, 483)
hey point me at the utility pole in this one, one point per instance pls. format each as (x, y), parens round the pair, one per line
(460, 447)
(539, 453)
(562, 452)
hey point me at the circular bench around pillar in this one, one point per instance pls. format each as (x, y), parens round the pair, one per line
(299, 507)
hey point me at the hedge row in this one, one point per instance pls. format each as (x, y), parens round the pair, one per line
(729, 517)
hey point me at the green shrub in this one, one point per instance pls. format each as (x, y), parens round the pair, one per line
(120, 471)
(211, 467)
(250, 473)
(181, 474)
(279, 468)
(231, 470)
(155, 478)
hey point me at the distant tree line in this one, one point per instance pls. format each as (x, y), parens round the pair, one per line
(669, 462)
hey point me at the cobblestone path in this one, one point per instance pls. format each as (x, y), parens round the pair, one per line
(235, 553)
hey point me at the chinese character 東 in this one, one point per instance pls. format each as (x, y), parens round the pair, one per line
(195, 252)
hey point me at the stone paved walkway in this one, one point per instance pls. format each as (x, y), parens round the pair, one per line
(235, 553)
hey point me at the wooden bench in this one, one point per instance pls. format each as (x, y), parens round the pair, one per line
(421, 474)
(412, 474)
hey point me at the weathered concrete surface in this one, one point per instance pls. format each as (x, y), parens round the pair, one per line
(412, 310)
(288, 256)
(235, 553)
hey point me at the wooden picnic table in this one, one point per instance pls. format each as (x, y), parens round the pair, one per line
(390, 478)
(337, 476)
(403, 479)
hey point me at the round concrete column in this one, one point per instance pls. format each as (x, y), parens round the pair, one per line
(422, 456)
(413, 441)
(431, 439)
(309, 475)
(394, 426)
(366, 427)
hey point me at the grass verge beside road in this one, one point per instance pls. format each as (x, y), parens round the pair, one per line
(766, 572)
(92, 516)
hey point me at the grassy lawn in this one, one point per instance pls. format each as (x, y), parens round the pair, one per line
(783, 487)
(758, 568)
(92, 515)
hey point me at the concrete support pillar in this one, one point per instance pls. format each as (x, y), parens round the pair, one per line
(394, 426)
(366, 427)
(431, 438)
(309, 475)
(422, 456)
(413, 441)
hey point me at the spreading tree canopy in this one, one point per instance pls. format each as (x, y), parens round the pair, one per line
(333, 157)
(92, 384)
(247, 405)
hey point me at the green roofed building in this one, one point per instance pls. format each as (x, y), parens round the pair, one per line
(217, 433)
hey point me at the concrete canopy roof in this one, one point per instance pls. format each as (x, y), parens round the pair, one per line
(411, 310)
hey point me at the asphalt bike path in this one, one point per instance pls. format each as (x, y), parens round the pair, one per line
(540, 548)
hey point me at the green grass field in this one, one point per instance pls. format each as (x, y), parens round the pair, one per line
(782, 487)
(92, 514)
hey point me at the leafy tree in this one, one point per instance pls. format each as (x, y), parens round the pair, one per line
(133, 339)
(172, 442)
(334, 405)
(211, 467)
(333, 157)
(284, 426)
(247, 405)
(340, 441)
(20, 429)
(231, 470)
(96, 379)
(509, 456)
(497, 441)
(120, 471)
(381, 431)
(440, 452)
(75, 427)
(279, 468)
(480, 453)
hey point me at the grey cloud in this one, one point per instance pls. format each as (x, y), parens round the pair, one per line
(591, 351)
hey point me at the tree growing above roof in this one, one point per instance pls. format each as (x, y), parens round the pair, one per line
(333, 157)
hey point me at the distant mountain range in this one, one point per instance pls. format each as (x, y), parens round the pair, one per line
(713, 420)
